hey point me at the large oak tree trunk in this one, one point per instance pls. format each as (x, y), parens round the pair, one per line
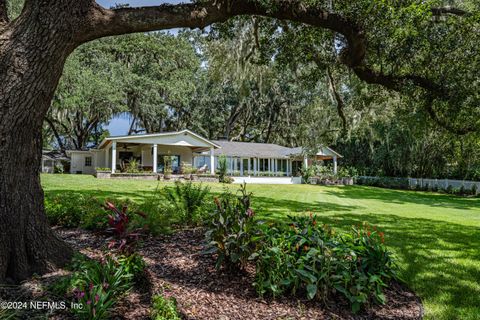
(33, 50)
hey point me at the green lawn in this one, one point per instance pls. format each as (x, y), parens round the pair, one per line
(435, 237)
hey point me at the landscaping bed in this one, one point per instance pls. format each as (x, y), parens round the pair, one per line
(176, 267)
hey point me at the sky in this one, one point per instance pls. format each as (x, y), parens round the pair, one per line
(119, 126)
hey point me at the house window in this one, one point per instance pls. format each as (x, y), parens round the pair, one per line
(88, 161)
(200, 161)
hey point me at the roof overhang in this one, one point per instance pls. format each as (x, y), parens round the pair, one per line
(69, 152)
(184, 138)
(327, 151)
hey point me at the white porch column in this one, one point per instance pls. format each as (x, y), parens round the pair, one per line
(254, 166)
(155, 158)
(269, 165)
(142, 162)
(335, 164)
(212, 162)
(106, 157)
(241, 167)
(114, 156)
(249, 166)
(305, 161)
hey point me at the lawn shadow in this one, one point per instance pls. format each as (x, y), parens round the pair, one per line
(278, 209)
(404, 196)
(99, 194)
(431, 253)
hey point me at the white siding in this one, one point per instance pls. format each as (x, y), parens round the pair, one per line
(77, 164)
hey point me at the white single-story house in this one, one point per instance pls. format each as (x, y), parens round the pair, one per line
(187, 147)
(52, 160)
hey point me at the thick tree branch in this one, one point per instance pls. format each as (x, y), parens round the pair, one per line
(199, 15)
(398, 82)
(428, 106)
(448, 10)
(338, 99)
(55, 133)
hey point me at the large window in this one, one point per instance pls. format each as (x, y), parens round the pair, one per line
(175, 163)
(282, 165)
(263, 165)
(245, 167)
(296, 167)
(88, 161)
(200, 161)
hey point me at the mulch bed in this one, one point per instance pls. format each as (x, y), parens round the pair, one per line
(177, 268)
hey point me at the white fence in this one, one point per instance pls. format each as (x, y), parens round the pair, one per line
(444, 183)
(432, 183)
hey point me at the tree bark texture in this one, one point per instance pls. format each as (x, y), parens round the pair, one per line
(33, 50)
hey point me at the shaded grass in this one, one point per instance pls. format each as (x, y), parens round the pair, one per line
(435, 237)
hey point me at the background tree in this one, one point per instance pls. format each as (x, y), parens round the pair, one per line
(160, 79)
(88, 96)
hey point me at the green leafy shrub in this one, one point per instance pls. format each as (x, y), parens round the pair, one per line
(188, 199)
(74, 210)
(449, 189)
(307, 173)
(159, 214)
(98, 285)
(230, 229)
(167, 169)
(222, 169)
(313, 260)
(164, 308)
(132, 166)
(386, 182)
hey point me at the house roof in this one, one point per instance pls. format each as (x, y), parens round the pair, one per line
(323, 151)
(149, 138)
(264, 150)
(222, 147)
(54, 155)
(250, 149)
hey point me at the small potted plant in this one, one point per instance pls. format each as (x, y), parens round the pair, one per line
(187, 170)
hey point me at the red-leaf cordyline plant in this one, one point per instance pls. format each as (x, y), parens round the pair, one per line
(124, 239)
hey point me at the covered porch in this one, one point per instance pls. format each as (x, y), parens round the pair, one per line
(265, 160)
(255, 166)
(149, 151)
